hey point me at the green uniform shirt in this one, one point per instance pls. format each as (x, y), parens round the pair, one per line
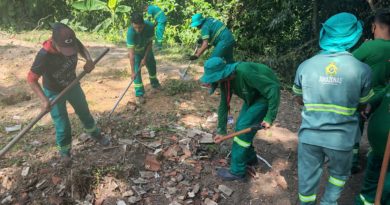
(252, 82)
(139, 41)
(332, 87)
(215, 31)
(376, 54)
(157, 14)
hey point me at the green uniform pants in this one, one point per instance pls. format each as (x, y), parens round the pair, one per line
(59, 114)
(160, 29)
(310, 161)
(151, 66)
(356, 146)
(224, 50)
(368, 192)
(242, 150)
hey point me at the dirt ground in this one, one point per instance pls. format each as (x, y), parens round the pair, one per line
(128, 171)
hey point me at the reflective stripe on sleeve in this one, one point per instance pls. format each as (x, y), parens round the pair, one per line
(297, 90)
(365, 202)
(367, 97)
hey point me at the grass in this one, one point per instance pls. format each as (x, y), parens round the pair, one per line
(174, 87)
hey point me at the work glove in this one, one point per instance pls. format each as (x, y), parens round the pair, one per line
(193, 57)
(199, 41)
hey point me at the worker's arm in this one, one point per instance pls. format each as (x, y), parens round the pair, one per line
(297, 87)
(131, 47)
(33, 82)
(132, 60)
(203, 48)
(89, 66)
(147, 50)
(222, 111)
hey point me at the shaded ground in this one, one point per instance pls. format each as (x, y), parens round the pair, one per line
(104, 176)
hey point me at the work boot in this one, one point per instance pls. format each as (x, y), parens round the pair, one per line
(225, 175)
(104, 141)
(156, 89)
(139, 100)
(65, 159)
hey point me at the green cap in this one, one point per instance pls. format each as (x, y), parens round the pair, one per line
(197, 19)
(340, 32)
(216, 69)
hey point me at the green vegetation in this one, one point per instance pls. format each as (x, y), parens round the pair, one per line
(278, 33)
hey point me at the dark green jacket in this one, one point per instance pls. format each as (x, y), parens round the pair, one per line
(252, 82)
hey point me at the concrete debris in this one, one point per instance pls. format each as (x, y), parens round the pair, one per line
(134, 199)
(7, 199)
(128, 193)
(125, 141)
(139, 190)
(206, 138)
(172, 190)
(175, 203)
(13, 128)
(146, 174)
(140, 181)
(39, 185)
(25, 171)
(210, 202)
(226, 190)
(120, 202)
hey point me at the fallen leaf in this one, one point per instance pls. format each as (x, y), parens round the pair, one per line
(152, 164)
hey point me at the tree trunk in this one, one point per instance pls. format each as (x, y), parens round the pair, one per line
(315, 26)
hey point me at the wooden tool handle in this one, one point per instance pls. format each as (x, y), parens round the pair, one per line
(244, 131)
(382, 176)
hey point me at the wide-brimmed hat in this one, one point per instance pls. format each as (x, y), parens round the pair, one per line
(196, 20)
(216, 69)
(340, 32)
(65, 39)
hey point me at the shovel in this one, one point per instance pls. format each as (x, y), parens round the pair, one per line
(123, 94)
(254, 128)
(53, 102)
(183, 73)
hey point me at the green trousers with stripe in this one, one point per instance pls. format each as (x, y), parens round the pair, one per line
(368, 192)
(310, 168)
(151, 66)
(224, 50)
(242, 149)
(60, 117)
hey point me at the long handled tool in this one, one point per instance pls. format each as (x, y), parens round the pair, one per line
(123, 94)
(382, 177)
(53, 102)
(218, 140)
(183, 74)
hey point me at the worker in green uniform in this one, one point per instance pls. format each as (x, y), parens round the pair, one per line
(377, 131)
(215, 33)
(139, 42)
(331, 86)
(56, 62)
(376, 54)
(259, 87)
(160, 22)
